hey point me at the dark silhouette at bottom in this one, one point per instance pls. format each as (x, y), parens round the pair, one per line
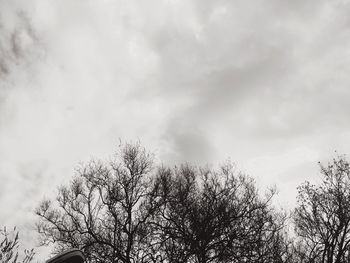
(69, 256)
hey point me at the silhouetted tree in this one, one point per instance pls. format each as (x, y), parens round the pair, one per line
(216, 216)
(9, 248)
(105, 211)
(322, 217)
(125, 211)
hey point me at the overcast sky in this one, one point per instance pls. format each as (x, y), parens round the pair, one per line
(264, 83)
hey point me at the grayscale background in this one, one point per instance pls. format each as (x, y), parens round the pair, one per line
(264, 83)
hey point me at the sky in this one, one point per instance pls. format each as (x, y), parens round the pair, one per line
(261, 83)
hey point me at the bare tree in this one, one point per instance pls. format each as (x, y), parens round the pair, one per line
(125, 211)
(216, 216)
(322, 218)
(106, 209)
(9, 248)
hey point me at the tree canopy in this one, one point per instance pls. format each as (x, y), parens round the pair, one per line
(129, 210)
(322, 217)
(10, 250)
(132, 210)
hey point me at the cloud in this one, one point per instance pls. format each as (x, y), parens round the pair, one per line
(264, 68)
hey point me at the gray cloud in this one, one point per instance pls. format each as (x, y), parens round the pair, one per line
(258, 64)
(17, 39)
